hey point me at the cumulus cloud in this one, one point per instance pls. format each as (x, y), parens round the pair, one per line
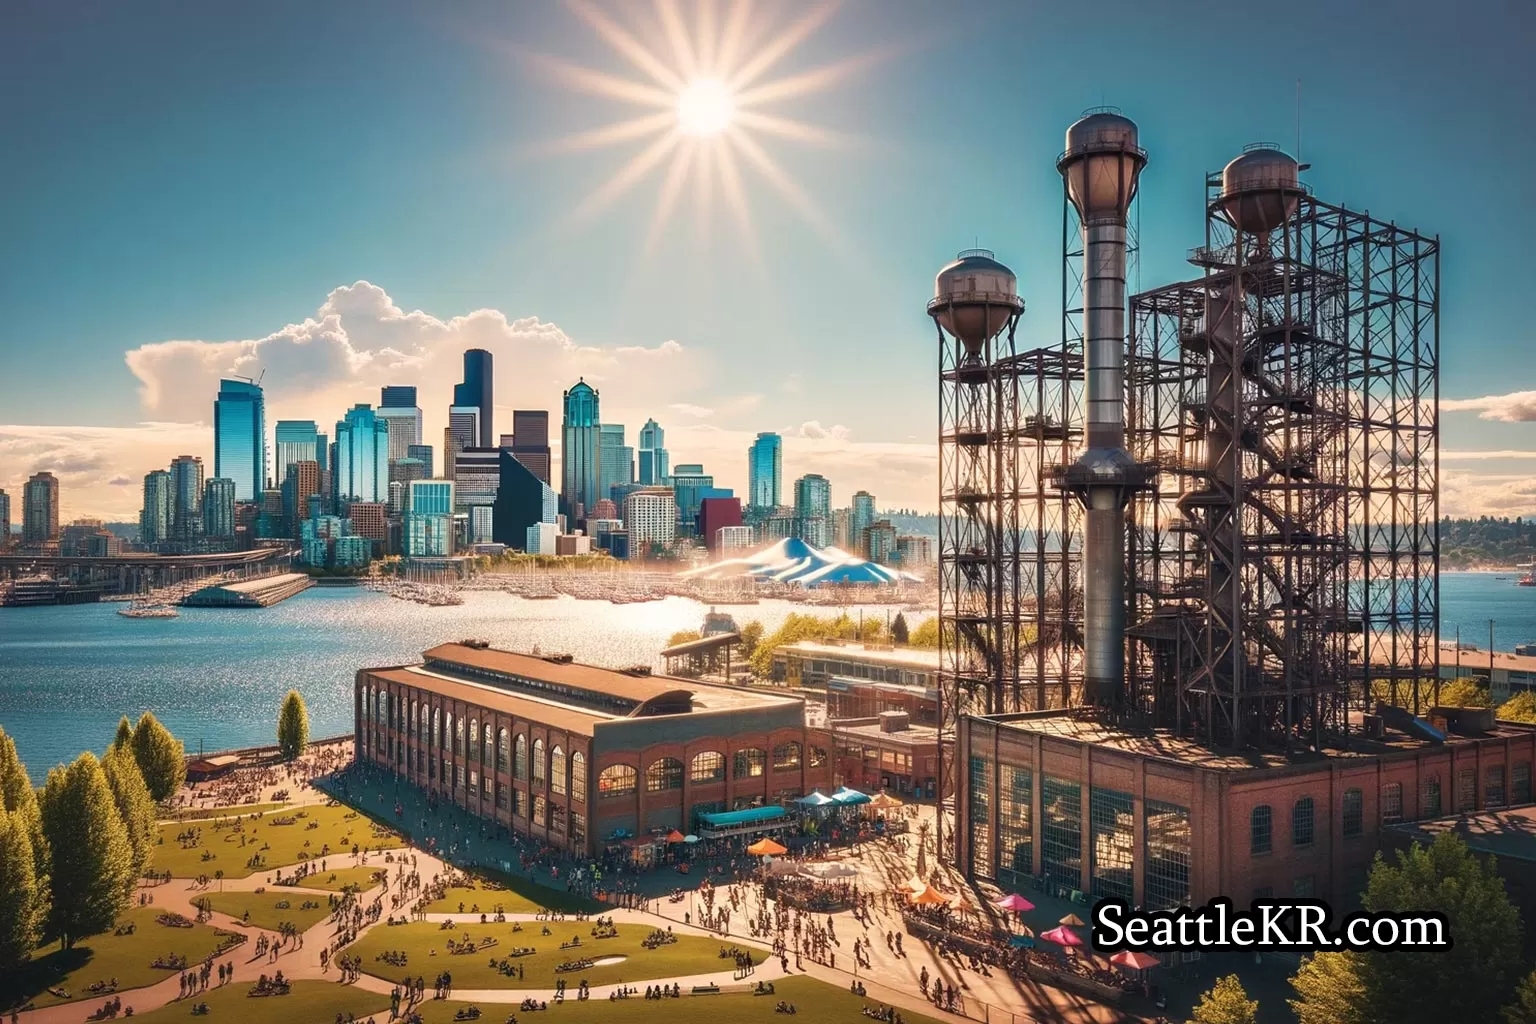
(1515, 407)
(813, 429)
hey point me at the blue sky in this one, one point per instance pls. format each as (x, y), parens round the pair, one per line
(210, 173)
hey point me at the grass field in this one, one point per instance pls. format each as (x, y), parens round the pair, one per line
(489, 895)
(690, 955)
(310, 1002)
(103, 957)
(337, 879)
(204, 813)
(264, 910)
(328, 833)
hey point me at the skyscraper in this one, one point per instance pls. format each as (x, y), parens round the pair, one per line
(522, 500)
(240, 437)
(429, 523)
(579, 448)
(157, 515)
(186, 497)
(297, 440)
(813, 508)
(397, 407)
(652, 451)
(5, 520)
(861, 518)
(219, 508)
(300, 483)
(476, 475)
(616, 460)
(40, 509)
(530, 440)
(764, 470)
(476, 393)
(690, 485)
(424, 453)
(362, 457)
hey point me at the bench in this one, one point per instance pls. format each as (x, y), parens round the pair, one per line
(706, 990)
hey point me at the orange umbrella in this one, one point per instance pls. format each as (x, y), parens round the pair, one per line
(1134, 960)
(930, 897)
(675, 836)
(1071, 920)
(766, 848)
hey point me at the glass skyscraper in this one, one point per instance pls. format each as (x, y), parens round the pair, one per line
(398, 407)
(156, 516)
(240, 438)
(297, 441)
(580, 447)
(764, 470)
(530, 440)
(219, 508)
(477, 392)
(860, 518)
(813, 509)
(429, 523)
(186, 497)
(616, 460)
(362, 457)
(652, 451)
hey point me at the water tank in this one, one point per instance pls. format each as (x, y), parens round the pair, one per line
(1101, 164)
(1259, 189)
(974, 298)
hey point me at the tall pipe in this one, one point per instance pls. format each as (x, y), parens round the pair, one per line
(1100, 168)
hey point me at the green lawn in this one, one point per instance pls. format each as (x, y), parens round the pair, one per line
(310, 1002)
(264, 910)
(337, 879)
(690, 955)
(203, 813)
(490, 895)
(103, 957)
(327, 833)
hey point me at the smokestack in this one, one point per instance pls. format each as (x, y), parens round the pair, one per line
(1099, 168)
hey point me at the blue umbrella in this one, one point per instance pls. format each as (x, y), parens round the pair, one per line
(848, 797)
(816, 799)
(1021, 942)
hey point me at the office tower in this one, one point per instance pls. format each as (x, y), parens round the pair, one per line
(240, 437)
(219, 508)
(451, 448)
(522, 500)
(716, 514)
(40, 510)
(764, 471)
(429, 523)
(323, 449)
(650, 519)
(579, 449)
(369, 519)
(157, 514)
(397, 493)
(860, 519)
(530, 440)
(689, 484)
(424, 453)
(476, 393)
(186, 497)
(403, 471)
(652, 452)
(813, 508)
(604, 508)
(5, 520)
(880, 542)
(398, 408)
(362, 457)
(615, 459)
(86, 538)
(297, 441)
(476, 475)
(300, 484)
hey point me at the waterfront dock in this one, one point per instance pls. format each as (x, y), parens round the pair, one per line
(261, 592)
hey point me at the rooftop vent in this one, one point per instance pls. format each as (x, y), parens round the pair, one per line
(895, 721)
(637, 670)
(558, 659)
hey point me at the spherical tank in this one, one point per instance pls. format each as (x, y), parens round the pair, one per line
(974, 297)
(1101, 165)
(1259, 189)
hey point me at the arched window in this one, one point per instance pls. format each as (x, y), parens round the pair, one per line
(474, 739)
(818, 757)
(1301, 822)
(520, 756)
(707, 766)
(540, 769)
(485, 750)
(436, 738)
(664, 773)
(749, 763)
(1260, 830)
(786, 756)
(501, 750)
(1354, 813)
(579, 777)
(616, 780)
(383, 707)
(458, 737)
(557, 771)
(448, 732)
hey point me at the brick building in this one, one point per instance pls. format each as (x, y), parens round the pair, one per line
(887, 751)
(572, 754)
(812, 663)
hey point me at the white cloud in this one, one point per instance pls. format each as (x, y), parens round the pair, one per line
(1515, 407)
(99, 468)
(813, 429)
(698, 412)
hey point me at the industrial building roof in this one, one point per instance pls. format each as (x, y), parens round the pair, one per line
(636, 688)
(911, 736)
(1508, 833)
(561, 716)
(260, 583)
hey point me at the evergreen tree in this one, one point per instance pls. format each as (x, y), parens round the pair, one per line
(1519, 708)
(92, 879)
(899, 631)
(1226, 1002)
(161, 757)
(21, 899)
(134, 806)
(293, 727)
(1523, 1009)
(124, 737)
(18, 797)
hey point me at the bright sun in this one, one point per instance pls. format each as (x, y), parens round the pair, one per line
(704, 107)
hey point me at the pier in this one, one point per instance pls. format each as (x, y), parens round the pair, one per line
(262, 592)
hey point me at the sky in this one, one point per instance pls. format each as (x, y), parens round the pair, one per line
(346, 194)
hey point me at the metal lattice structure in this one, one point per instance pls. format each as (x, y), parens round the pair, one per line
(1282, 565)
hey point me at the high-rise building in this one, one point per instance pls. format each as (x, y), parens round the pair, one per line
(219, 508)
(730, 539)
(914, 551)
(880, 542)
(765, 470)
(5, 520)
(522, 500)
(652, 453)
(650, 519)
(424, 453)
(297, 441)
(813, 509)
(370, 519)
(530, 440)
(240, 437)
(580, 449)
(403, 471)
(616, 461)
(87, 538)
(452, 445)
(300, 484)
(477, 393)
(40, 510)
(323, 450)
(716, 514)
(157, 514)
(186, 497)
(861, 518)
(398, 408)
(362, 457)
(476, 475)
(429, 523)
(689, 484)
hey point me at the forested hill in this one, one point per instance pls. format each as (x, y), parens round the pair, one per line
(1485, 542)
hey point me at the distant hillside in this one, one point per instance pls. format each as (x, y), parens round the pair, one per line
(1475, 543)
(914, 523)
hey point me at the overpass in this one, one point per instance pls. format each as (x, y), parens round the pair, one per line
(138, 572)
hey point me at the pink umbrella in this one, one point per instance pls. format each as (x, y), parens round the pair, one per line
(1062, 936)
(1015, 903)
(1137, 961)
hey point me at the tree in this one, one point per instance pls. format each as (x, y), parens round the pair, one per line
(21, 898)
(1466, 692)
(899, 631)
(124, 737)
(751, 636)
(926, 634)
(162, 759)
(134, 805)
(1329, 990)
(1523, 1009)
(93, 876)
(683, 636)
(293, 727)
(1519, 708)
(18, 796)
(1227, 1002)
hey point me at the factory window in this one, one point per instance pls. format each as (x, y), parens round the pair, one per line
(447, 772)
(1429, 798)
(707, 766)
(556, 818)
(981, 817)
(519, 803)
(1168, 841)
(1264, 892)
(818, 757)
(540, 769)
(1520, 777)
(540, 811)
(501, 795)
(1493, 786)
(458, 737)
(474, 781)
(578, 828)
(1303, 826)
(664, 773)
(749, 763)
(579, 777)
(1113, 838)
(1260, 830)
(1391, 803)
(485, 750)
(520, 756)
(786, 756)
(412, 729)
(1061, 831)
(383, 708)
(458, 776)
(1354, 813)
(474, 739)
(1015, 843)
(501, 750)
(616, 780)
(557, 771)
(1466, 790)
(488, 787)
(1303, 887)
(434, 738)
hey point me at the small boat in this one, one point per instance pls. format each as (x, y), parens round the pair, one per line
(148, 610)
(1528, 580)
